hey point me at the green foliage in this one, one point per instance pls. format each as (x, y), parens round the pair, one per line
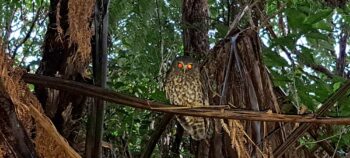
(16, 19)
(311, 33)
(146, 35)
(273, 59)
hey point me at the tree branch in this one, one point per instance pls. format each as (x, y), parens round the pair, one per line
(320, 68)
(14, 53)
(8, 31)
(297, 133)
(268, 26)
(111, 96)
(341, 60)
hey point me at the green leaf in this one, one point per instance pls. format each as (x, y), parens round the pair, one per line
(306, 56)
(317, 35)
(322, 90)
(295, 17)
(322, 25)
(347, 19)
(344, 108)
(318, 16)
(289, 41)
(222, 30)
(336, 86)
(280, 79)
(273, 59)
(326, 45)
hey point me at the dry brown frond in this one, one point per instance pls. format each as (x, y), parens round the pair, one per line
(48, 142)
(79, 32)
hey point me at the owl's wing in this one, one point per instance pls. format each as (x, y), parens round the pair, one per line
(167, 91)
(168, 88)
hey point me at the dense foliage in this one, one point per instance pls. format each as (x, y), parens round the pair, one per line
(305, 47)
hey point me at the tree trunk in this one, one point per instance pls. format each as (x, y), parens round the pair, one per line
(248, 87)
(195, 35)
(66, 56)
(195, 27)
(95, 123)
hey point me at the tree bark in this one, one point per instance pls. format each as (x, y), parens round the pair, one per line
(195, 27)
(12, 132)
(59, 51)
(96, 115)
(196, 43)
(248, 83)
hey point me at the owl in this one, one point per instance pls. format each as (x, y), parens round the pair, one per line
(184, 86)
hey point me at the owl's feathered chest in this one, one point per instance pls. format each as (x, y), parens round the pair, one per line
(184, 90)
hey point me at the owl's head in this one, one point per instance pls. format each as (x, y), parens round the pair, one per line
(185, 65)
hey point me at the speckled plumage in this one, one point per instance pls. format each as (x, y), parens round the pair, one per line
(184, 87)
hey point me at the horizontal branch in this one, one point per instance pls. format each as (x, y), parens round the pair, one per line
(111, 96)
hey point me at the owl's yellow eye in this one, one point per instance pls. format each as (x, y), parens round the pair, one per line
(179, 65)
(189, 66)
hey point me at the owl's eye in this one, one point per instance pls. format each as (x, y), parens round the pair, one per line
(189, 66)
(179, 65)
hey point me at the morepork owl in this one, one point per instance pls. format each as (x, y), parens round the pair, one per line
(184, 87)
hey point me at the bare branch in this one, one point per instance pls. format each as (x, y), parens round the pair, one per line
(111, 96)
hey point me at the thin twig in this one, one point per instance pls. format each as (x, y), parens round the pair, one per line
(335, 150)
(234, 24)
(268, 26)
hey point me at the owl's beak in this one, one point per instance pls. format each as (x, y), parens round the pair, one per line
(184, 69)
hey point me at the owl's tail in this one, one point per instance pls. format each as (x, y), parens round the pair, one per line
(197, 127)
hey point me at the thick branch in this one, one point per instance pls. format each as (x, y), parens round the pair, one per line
(111, 96)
